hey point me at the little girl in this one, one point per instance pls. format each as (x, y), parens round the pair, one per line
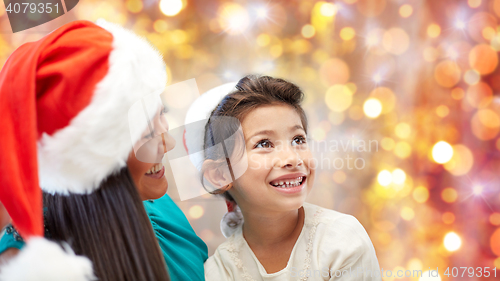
(282, 237)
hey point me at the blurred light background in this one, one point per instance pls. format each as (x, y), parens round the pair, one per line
(403, 93)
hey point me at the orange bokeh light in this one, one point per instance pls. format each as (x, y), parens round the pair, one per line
(334, 71)
(406, 10)
(485, 124)
(483, 58)
(457, 93)
(447, 73)
(448, 218)
(479, 95)
(449, 195)
(495, 219)
(495, 242)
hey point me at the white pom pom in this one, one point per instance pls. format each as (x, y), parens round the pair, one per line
(230, 222)
(43, 260)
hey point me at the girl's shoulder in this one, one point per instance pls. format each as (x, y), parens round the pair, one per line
(220, 266)
(331, 225)
(324, 215)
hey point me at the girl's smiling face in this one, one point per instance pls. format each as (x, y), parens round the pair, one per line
(279, 175)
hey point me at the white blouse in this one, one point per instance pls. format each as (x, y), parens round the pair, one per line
(331, 246)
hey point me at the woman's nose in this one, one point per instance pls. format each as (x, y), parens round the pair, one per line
(168, 142)
(161, 124)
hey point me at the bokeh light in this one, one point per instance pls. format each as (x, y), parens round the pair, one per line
(495, 219)
(405, 10)
(449, 195)
(308, 31)
(338, 97)
(372, 107)
(233, 18)
(403, 130)
(402, 149)
(347, 33)
(483, 58)
(495, 242)
(421, 194)
(448, 218)
(447, 73)
(433, 30)
(196, 212)
(452, 241)
(171, 7)
(334, 71)
(442, 152)
(384, 178)
(485, 124)
(328, 9)
(398, 176)
(461, 162)
(396, 41)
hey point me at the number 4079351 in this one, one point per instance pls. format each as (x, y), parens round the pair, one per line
(32, 8)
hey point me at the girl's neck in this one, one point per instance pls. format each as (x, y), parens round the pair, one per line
(264, 230)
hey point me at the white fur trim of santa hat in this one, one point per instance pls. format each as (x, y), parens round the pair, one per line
(43, 260)
(97, 142)
(201, 109)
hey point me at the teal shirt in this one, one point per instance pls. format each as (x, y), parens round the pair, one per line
(183, 250)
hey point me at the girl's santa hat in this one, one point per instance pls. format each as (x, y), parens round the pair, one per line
(200, 110)
(61, 98)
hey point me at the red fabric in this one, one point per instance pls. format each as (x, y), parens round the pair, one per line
(43, 85)
(230, 206)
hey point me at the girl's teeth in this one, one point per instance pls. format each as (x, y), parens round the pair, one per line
(290, 183)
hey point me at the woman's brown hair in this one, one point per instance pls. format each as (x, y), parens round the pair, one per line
(252, 91)
(110, 227)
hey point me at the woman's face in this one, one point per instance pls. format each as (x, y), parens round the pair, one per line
(150, 178)
(279, 175)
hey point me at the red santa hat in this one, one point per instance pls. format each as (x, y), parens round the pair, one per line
(61, 97)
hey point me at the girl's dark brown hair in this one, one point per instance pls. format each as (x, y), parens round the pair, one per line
(252, 91)
(110, 227)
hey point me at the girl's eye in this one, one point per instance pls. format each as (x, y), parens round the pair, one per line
(263, 144)
(298, 140)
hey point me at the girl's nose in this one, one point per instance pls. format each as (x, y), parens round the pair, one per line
(290, 158)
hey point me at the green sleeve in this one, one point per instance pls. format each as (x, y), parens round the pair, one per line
(184, 252)
(10, 239)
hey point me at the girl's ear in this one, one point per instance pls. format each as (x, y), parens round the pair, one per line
(216, 174)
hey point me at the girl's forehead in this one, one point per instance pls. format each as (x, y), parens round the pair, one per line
(272, 117)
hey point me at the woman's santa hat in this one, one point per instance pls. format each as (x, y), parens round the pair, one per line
(61, 98)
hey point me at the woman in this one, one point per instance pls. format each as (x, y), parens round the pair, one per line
(282, 237)
(75, 87)
(183, 251)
